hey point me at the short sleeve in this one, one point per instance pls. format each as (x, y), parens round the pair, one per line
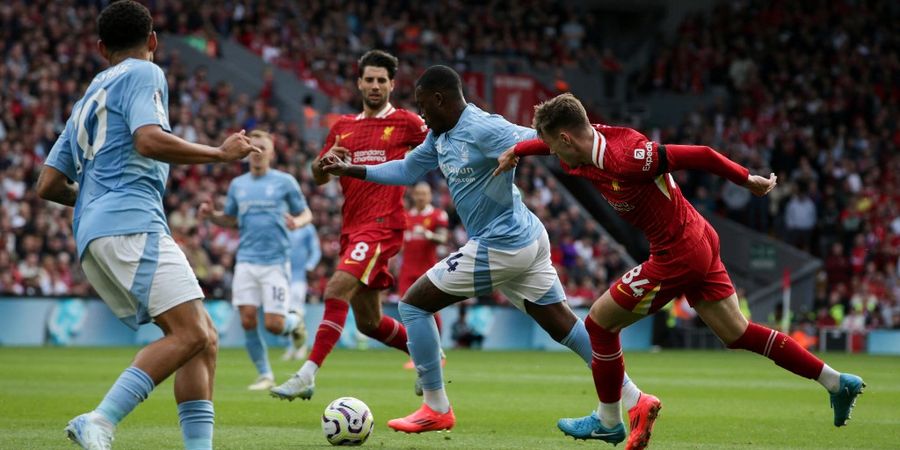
(441, 219)
(498, 134)
(231, 206)
(295, 198)
(416, 130)
(146, 103)
(61, 157)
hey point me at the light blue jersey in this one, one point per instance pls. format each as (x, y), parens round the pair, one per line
(120, 192)
(305, 252)
(260, 203)
(491, 207)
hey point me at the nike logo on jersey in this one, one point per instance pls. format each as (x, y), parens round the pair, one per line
(350, 261)
(619, 287)
(345, 135)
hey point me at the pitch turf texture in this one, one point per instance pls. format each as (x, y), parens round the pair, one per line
(712, 400)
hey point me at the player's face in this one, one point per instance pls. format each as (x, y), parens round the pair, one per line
(375, 87)
(421, 196)
(261, 160)
(560, 144)
(429, 105)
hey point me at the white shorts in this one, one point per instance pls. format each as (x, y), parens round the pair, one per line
(298, 296)
(525, 274)
(265, 286)
(140, 276)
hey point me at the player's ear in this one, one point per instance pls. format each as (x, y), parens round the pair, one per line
(102, 48)
(438, 99)
(152, 42)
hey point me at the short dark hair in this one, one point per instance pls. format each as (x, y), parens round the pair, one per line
(440, 79)
(563, 112)
(124, 25)
(378, 58)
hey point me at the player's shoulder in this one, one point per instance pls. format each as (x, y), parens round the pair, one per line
(284, 176)
(406, 115)
(619, 135)
(240, 179)
(139, 70)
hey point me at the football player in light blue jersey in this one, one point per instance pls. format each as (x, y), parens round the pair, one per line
(305, 256)
(265, 205)
(111, 163)
(508, 248)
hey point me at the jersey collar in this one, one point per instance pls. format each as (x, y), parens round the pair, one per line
(599, 148)
(386, 111)
(428, 210)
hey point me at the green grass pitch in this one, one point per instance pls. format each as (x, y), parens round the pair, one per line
(711, 400)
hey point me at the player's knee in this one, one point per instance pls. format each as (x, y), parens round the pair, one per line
(198, 339)
(248, 321)
(212, 346)
(275, 326)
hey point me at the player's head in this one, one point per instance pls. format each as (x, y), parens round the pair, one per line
(440, 98)
(259, 162)
(562, 123)
(126, 29)
(376, 78)
(421, 195)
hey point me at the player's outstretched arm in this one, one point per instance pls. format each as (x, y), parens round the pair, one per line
(153, 142)
(206, 212)
(399, 172)
(510, 157)
(298, 221)
(55, 186)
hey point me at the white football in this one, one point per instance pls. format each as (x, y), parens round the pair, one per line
(347, 421)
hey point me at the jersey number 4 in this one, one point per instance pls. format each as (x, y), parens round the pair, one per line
(452, 264)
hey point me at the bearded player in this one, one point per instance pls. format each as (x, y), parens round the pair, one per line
(633, 174)
(373, 220)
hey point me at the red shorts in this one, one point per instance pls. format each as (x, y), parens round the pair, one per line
(365, 255)
(692, 268)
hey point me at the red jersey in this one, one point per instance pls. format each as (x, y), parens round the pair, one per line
(373, 140)
(632, 174)
(419, 254)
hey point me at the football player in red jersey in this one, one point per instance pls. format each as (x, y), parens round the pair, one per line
(633, 174)
(373, 219)
(426, 229)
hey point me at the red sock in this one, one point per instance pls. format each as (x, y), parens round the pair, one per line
(438, 322)
(329, 330)
(607, 364)
(391, 333)
(781, 349)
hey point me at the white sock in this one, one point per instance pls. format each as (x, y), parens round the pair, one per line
(830, 379)
(610, 414)
(308, 370)
(630, 393)
(437, 400)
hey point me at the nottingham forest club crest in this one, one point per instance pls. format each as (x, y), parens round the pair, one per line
(386, 135)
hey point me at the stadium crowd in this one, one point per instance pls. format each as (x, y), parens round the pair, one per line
(49, 58)
(813, 97)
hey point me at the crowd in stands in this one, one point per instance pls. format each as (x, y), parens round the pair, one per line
(49, 57)
(812, 95)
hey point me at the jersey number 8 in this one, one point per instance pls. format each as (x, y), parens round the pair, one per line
(359, 252)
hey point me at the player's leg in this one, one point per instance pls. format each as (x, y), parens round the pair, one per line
(162, 286)
(371, 321)
(247, 295)
(194, 390)
(341, 286)
(278, 319)
(725, 319)
(297, 348)
(417, 309)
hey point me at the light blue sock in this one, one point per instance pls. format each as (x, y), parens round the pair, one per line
(256, 347)
(197, 418)
(132, 387)
(580, 342)
(424, 345)
(290, 322)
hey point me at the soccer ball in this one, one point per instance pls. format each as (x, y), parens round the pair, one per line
(347, 421)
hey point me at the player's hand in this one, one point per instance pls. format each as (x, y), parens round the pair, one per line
(204, 210)
(760, 186)
(508, 160)
(334, 165)
(337, 151)
(290, 221)
(237, 146)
